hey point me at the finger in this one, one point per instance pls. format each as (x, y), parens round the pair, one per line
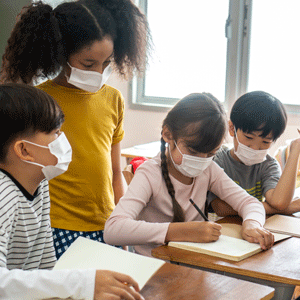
(123, 278)
(127, 293)
(217, 226)
(267, 236)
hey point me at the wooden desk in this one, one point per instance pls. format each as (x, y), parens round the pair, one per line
(172, 282)
(278, 267)
(148, 150)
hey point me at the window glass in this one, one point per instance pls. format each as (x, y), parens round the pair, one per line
(275, 49)
(190, 48)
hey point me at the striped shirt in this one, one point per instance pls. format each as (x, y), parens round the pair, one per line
(26, 247)
(25, 232)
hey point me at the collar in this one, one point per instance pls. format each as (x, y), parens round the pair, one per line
(22, 189)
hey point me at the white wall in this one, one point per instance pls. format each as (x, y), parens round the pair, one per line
(145, 126)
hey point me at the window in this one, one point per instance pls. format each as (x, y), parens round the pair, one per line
(223, 47)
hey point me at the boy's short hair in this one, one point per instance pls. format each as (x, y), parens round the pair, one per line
(259, 111)
(25, 110)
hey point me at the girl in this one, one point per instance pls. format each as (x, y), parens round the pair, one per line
(80, 41)
(32, 149)
(156, 208)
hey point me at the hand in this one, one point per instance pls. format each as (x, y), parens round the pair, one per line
(197, 232)
(254, 233)
(112, 285)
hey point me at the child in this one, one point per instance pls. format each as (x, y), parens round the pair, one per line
(79, 41)
(257, 120)
(156, 207)
(32, 149)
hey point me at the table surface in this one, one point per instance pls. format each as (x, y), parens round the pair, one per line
(173, 282)
(148, 150)
(278, 264)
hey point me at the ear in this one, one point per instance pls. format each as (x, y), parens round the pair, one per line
(231, 128)
(166, 134)
(22, 151)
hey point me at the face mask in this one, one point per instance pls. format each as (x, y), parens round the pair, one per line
(249, 156)
(191, 166)
(89, 81)
(62, 150)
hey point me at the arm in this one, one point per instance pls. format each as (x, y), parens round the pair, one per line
(124, 227)
(75, 284)
(222, 209)
(280, 197)
(248, 207)
(117, 181)
(292, 208)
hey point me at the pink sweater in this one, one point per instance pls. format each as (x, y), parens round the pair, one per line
(143, 215)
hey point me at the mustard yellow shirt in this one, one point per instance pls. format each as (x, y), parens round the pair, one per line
(82, 198)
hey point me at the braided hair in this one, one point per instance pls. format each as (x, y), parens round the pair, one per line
(201, 118)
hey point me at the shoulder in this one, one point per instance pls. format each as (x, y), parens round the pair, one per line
(45, 85)
(151, 169)
(270, 163)
(223, 157)
(10, 197)
(113, 92)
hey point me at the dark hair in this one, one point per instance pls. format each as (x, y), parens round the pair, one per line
(24, 111)
(201, 120)
(44, 38)
(259, 111)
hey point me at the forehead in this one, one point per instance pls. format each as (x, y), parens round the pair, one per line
(97, 51)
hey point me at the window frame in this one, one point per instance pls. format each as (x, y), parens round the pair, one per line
(238, 33)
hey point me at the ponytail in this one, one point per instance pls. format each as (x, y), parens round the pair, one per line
(43, 39)
(178, 212)
(34, 47)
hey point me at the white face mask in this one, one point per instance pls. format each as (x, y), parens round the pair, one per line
(62, 150)
(249, 156)
(89, 81)
(191, 166)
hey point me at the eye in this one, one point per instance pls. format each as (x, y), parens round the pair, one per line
(248, 137)
(87, 66)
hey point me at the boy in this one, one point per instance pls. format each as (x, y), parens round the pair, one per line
(32, 148)
(257, 120)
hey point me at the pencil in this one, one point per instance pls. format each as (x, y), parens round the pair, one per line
(199, 210)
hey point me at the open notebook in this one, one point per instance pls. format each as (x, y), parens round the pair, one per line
(229, 246)
(284, 224)
(87, 254)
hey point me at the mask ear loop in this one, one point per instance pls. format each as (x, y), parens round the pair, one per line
(31, 162)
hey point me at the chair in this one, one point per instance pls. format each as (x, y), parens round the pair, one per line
(281, 156)
(128, 173)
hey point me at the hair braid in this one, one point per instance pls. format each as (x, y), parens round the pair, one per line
(178, 212)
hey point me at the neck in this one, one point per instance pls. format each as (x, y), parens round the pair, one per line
(61, 79)
(25, 176)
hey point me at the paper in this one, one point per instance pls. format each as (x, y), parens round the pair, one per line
(284, 224)
(88, 254)
(235, 230)
(229, 246)
(225, 247)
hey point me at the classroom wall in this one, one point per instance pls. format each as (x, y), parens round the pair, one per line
(145, 126)
(140, 126)
(9, 9)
